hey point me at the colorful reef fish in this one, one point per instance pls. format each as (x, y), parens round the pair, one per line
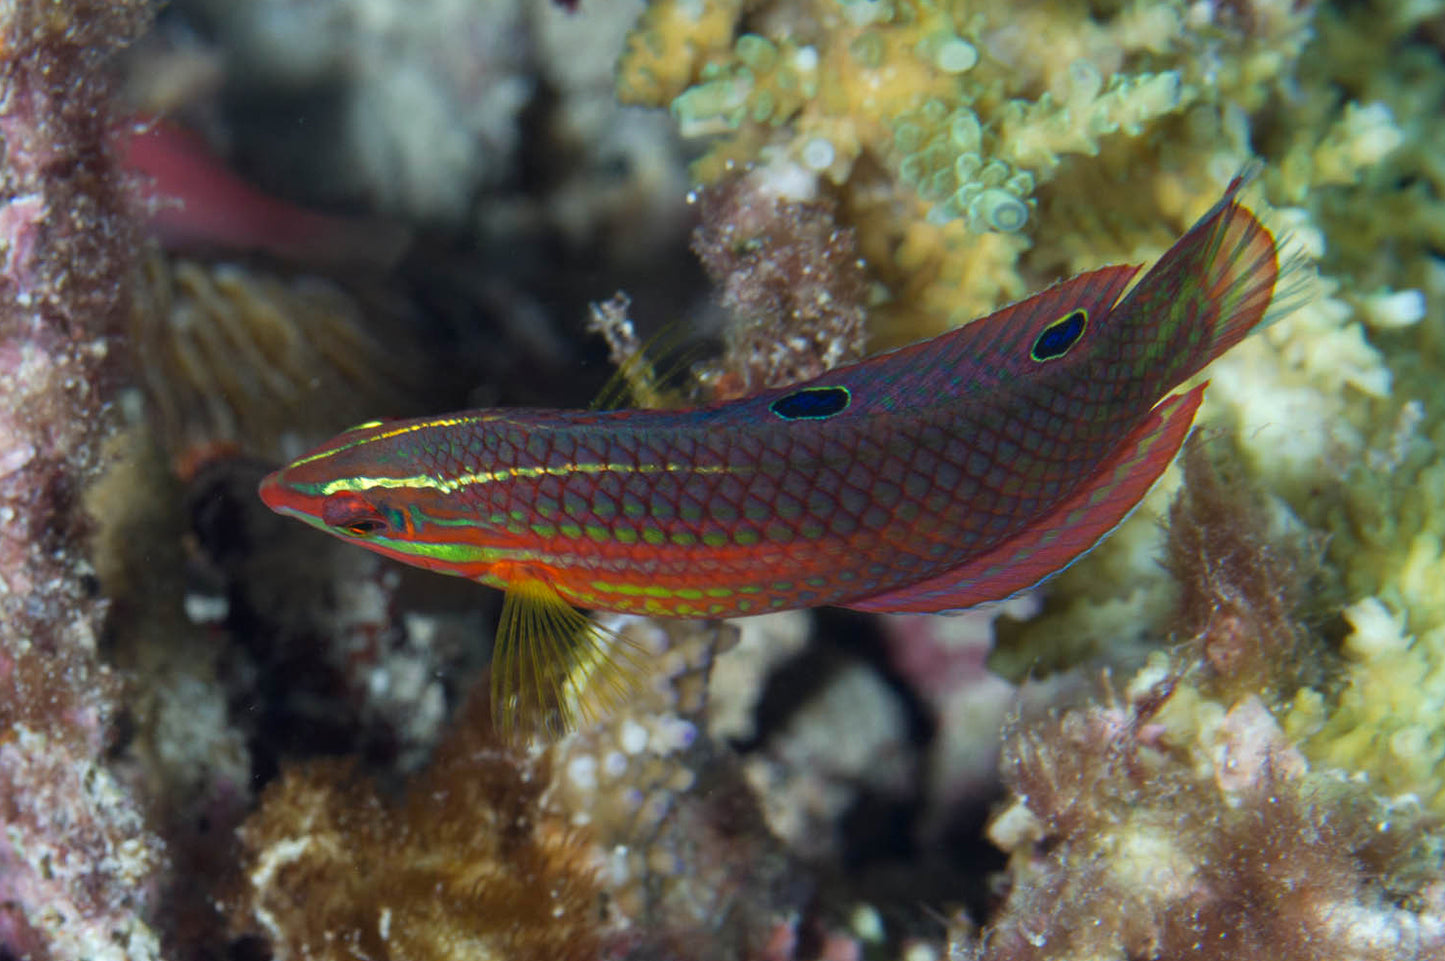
(958, 470)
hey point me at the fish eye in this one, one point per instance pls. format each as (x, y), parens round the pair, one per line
(352, 514)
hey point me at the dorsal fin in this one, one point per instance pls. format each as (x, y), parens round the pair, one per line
(978, 356)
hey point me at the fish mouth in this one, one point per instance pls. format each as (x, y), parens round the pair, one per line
(271, 491)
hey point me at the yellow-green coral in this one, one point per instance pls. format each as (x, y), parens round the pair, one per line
(941, 125)
(1386, 720)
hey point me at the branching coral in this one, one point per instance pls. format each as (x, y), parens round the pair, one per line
(941, 125)
(676, 829)
(1186, 819)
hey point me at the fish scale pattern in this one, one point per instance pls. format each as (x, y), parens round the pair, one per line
(956, 471)
(742, 518)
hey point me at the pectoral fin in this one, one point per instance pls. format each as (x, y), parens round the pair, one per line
(553, 667)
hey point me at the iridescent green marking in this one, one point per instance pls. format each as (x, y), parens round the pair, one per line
(625, 535)
(688, 593)
(654, 536)
(746, 536)
(633, 590)
(448, 551)
(544, 530)
(715, 538)
(599, 533)
(570, 530)
(683, 538)
(719, 592)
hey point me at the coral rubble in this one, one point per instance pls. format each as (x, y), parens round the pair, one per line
(629, 837)
(466, 865)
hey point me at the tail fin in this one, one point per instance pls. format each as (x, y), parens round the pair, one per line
(1208, 291)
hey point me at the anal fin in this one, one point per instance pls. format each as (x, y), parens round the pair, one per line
(553, 667)
(1066, 534)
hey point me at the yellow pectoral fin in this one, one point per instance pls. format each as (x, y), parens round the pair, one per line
(553, 667)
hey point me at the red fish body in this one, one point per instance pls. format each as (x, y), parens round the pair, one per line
(955, 471)
(193, 201)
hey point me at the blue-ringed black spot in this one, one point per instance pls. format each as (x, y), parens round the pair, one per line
(1060, 336)
(811, 403)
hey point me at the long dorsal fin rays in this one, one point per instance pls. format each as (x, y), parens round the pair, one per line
(554, 667)
(1068, 533)
(642, 369)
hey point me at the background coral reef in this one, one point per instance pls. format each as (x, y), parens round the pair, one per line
(221, 735)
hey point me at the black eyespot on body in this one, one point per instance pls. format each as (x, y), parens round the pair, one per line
(1059, 337)
(812, 403)
(352, 514)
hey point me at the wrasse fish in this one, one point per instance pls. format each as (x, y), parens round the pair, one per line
(958, 470)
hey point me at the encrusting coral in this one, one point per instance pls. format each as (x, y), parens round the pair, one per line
(79, 865)
(792, 281)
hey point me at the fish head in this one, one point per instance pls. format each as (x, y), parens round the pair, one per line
(370, 486)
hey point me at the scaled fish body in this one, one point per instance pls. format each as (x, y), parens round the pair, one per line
(958, 470)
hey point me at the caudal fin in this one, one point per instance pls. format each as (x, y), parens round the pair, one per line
(1208, 291)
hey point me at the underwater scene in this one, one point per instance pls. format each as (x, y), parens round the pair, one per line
(707, 480)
